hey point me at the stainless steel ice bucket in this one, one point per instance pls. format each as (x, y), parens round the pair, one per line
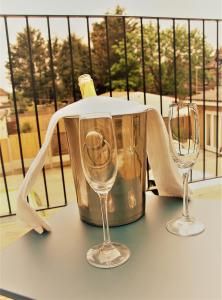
(126, 202)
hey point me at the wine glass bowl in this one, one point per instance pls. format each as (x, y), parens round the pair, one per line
(99, 160)
(184, 143)
(184, 134)
(98, 153)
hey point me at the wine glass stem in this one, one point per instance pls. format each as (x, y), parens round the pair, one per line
(185, 194)
(103, 204)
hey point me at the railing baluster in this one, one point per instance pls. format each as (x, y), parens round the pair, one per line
(35, 98)
(89, 47)
(190, 62)
(71, 61)
(125, 54)
(143, 60)
(217, 97)
(190, 83)
(5, 181)
(175, 75)
(14, 97)
(204, 100)
(108, 56)
(55, 105)
(144, 90)
(174, 61)
(160, 66)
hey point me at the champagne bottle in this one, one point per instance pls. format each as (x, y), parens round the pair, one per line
(86, 86)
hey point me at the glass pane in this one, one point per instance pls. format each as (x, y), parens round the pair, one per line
(208, 117)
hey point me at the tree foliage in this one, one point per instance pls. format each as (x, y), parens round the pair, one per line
(20, 56)
(113, 30)
(64, 68)
(109, 56)
(151, 60)
(41, 65)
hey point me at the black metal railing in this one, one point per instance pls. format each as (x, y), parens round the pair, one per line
(140, 22)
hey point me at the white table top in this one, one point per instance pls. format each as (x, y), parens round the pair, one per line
(162, 266)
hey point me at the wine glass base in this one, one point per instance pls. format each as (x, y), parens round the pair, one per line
(185, 226)
(108, 255)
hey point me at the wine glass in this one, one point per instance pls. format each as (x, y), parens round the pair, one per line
(184, 141)
(99, 162)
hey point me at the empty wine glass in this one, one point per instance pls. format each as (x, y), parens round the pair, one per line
(184, 143)
(99, 162)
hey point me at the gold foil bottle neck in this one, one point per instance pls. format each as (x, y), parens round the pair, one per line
(86, 86)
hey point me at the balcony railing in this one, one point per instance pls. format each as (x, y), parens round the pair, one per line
(202, 83)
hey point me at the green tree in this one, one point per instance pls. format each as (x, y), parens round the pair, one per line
(99, 49)
(56, 48)
(64, 69)
(42, 66)
(152, 59)
(182, 59)
(21, 64)
(133, 63)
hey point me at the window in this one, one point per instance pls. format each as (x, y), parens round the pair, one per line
(208, 118)
(215, 131)
(212, 131)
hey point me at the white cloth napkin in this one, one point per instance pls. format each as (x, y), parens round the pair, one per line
(167, 178)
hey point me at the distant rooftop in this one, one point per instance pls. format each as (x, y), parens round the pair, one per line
(210, 98)
(210, 95)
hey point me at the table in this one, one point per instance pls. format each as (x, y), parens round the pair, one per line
(162, 266)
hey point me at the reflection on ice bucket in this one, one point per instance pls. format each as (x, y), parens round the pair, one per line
(126, 201)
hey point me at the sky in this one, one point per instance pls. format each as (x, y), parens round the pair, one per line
(155, 8)
(158, 8)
